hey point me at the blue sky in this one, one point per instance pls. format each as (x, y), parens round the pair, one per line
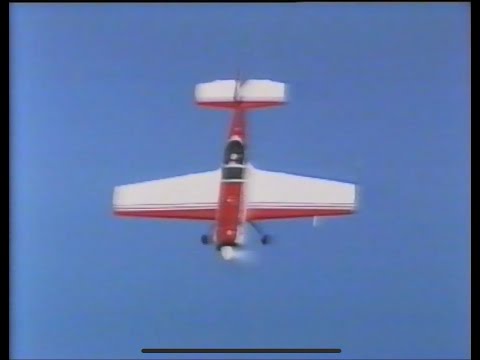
(102, 95)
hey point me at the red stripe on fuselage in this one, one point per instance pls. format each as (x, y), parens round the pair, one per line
(229, 212)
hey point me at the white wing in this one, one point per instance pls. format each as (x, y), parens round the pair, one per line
(187, 197)
(275, 195)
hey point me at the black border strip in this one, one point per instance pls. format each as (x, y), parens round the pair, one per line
(242, 351)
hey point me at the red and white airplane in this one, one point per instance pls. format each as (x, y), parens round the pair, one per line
(236, 194)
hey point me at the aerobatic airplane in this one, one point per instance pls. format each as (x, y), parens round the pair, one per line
(237, 193)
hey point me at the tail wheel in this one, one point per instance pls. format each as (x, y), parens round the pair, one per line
(205, 240)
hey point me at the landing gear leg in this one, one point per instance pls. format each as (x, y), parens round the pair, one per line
(265, 239)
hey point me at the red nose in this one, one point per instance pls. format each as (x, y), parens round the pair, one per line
(227, 235)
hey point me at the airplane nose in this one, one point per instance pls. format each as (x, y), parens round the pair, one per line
(229, 234)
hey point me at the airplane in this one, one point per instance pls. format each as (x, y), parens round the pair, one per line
(237, 193)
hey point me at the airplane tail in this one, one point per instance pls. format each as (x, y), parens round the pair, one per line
(236, 95)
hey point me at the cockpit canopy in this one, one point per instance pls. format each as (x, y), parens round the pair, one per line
(234, 153)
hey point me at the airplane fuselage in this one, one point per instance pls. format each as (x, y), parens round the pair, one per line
(231, 210)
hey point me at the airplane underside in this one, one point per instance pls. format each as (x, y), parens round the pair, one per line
(236, 194)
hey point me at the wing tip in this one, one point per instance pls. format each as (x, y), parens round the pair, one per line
(356, 198)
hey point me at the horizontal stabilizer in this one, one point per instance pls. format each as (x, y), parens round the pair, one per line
(231, 94)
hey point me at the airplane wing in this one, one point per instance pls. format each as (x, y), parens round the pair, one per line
(187, 197)
(275, 195)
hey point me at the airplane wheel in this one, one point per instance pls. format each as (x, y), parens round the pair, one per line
(266, 240)
(205, 240)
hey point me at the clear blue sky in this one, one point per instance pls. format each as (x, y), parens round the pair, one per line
(102, 95)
